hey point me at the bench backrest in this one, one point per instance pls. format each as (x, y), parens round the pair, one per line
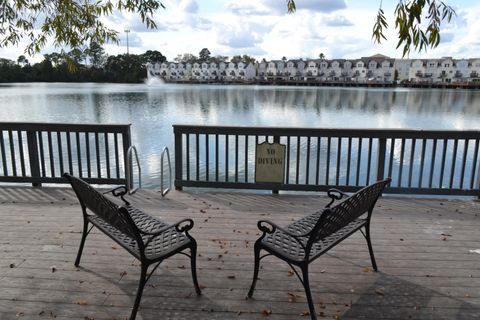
(98, 204)
(337, 217)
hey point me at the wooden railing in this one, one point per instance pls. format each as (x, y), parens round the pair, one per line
(41, 152)
(418, 161)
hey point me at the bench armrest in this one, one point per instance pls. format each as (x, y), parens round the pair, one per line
(273, 227)
(180, 226)
(334, 194)
(120, 191)
(184, 228)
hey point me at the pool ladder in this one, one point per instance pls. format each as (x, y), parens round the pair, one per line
(129, 171)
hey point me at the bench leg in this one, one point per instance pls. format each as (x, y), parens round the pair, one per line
(370, 249)
(141, 285)
(82, 242)
(193, 261)
(255, 271)
(306, 285)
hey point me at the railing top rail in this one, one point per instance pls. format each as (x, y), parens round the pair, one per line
(325, 132)
(69, 127)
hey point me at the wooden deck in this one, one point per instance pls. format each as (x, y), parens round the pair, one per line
(424, 249)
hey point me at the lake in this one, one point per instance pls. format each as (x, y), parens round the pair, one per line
(152, 109)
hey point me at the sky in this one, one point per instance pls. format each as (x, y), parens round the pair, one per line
(264, 29)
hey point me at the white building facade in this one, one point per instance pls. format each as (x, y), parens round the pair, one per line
(374, 69)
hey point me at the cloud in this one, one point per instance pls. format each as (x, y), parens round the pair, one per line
(337, 20)
(198, 23)
(318, 5)
(247, 8)
(189, 6)
(237, 38)
(134, 40)
(277, 7)
(447, 37)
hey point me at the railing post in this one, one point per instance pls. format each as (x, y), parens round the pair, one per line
(127, 142)
(33, 156)
(178, 159)
(276, 139)
(382, 149)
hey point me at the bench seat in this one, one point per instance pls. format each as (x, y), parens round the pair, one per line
(161, 247)
(286, 245)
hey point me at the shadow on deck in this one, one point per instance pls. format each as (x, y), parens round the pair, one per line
(424, 249)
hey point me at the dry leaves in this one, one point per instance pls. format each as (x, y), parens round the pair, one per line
(292, 298)
(81, 302)
(379, 292)
(266, 312)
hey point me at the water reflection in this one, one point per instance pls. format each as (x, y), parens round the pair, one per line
(153, 110)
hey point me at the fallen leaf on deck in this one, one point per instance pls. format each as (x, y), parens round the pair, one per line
(81, 302)
(305, 313)
(53, 268)
(290, 273)
(266, 312)
(292, 298)
(231, 277)
(379, 292)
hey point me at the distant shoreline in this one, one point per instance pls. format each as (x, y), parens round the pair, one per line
(307, 83)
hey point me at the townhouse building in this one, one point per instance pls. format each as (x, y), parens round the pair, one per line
(373, 69)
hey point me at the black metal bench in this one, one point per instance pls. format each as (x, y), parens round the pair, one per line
(303, 241)
(148, 239)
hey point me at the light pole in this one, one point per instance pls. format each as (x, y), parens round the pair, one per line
(127, 31)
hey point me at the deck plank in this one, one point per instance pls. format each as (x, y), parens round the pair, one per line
(423, 249)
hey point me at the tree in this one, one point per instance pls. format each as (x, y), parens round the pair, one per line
(321, 56)
(245, 59)
(70, 23)
(204, 55)
(186, 57)
(22, 60)
(218, 59)
(97, 55)
(153, 56)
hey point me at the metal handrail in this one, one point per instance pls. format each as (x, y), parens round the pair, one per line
(164, 192)
(37, 152)
(129, 171)
(437, 162)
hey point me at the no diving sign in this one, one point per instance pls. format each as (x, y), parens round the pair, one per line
(270, 162)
